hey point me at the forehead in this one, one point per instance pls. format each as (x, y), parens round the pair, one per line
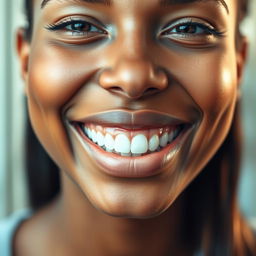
(165, 2)
(224, 3)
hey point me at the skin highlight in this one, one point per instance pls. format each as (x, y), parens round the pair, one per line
(133, 59)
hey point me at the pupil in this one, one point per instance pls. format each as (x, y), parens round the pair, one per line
(186, 29)
(80, 27)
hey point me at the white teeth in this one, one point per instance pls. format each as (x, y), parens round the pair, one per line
(94, 136)
(153, 143)
(100, 139)
(175, 133)
(139, 144)
(122, 144)
(88, 132)
(109, 142)
(171, 136)
(164, 140)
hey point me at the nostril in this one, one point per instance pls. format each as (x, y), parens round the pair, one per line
(151, 91)
(147, 92)
(116, 89)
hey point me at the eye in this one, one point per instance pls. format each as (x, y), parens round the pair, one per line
(76, 28)
(190, 28)
(192, 31)
(81, 27)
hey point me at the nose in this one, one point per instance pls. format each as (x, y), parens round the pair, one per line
(134, 77)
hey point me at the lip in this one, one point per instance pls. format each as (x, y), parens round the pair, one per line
(132, 167)
(132, 119)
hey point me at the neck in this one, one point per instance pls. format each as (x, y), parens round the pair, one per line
(89, 231)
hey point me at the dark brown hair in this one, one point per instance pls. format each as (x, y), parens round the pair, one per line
(216, 228)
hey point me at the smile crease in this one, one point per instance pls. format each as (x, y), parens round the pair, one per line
(131, 142)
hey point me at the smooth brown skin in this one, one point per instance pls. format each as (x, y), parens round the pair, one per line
(67, 76)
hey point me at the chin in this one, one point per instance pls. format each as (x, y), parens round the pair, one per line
(130, 200)
(136, 211)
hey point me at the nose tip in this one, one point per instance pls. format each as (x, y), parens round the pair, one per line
(134, 78)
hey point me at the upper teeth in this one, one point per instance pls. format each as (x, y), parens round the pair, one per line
(131, 143)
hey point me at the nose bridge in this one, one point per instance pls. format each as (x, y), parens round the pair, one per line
(131, 57)
(133, 71)
(133, 36)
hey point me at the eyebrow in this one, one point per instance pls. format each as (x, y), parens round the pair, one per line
(170, 2)
(105, 2)
(162, 2)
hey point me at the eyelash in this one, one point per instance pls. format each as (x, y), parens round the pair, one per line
(208, 30)
(71, 22)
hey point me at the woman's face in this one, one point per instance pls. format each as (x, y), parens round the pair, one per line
(153, 82)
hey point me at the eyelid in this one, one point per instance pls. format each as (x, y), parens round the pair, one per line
(209, 37)
(195, 21)
(187, 20)
(76, 18)
(76, 37)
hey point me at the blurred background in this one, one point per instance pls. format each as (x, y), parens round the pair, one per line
(12, 181)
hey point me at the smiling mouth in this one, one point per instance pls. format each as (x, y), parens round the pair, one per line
(130, 143)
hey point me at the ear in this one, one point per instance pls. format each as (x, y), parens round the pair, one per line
(242, 50)
(23, 50)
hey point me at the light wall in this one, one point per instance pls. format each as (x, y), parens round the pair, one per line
(12, 188)
(248, 180)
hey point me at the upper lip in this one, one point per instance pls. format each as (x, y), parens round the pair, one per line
(132, 119)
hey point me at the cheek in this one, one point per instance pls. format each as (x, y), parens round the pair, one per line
(209, 76)
(52, 82)
(214, 90)
(214, 85)
(57, 75)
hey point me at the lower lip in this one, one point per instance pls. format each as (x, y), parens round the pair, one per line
(133, 167)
